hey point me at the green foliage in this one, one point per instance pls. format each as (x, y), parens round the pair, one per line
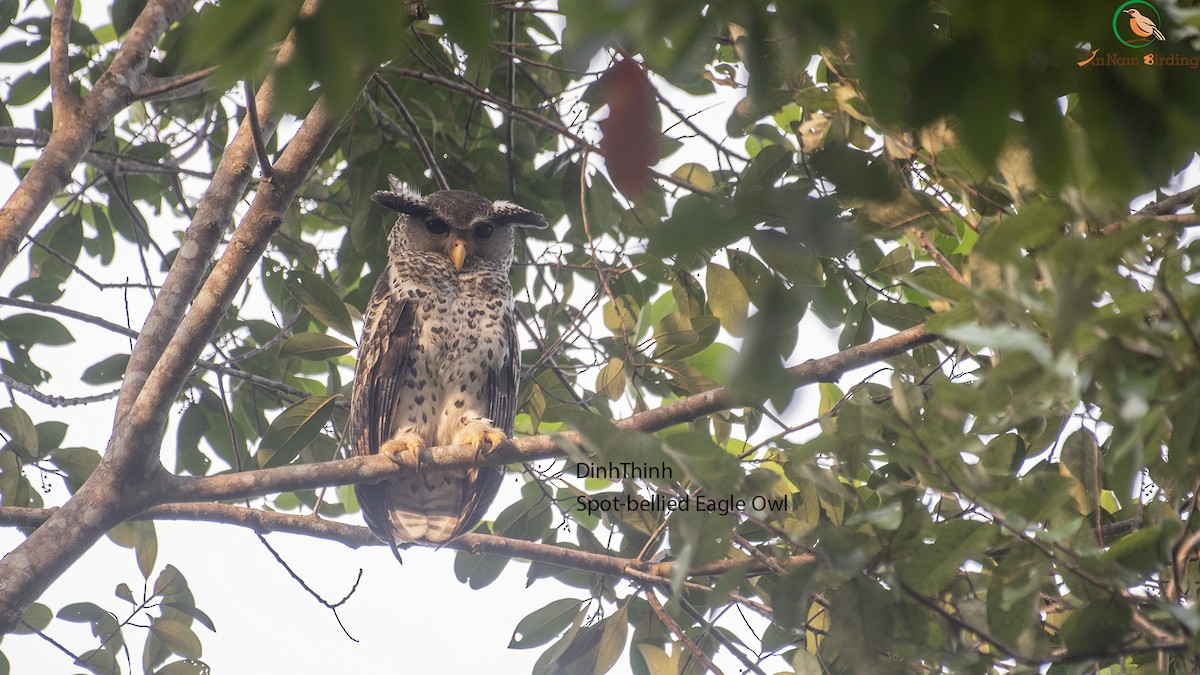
(1018, 496)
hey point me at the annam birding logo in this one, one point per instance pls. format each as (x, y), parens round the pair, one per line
(1135, 24)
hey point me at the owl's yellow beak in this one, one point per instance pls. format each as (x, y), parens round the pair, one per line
(458, 252)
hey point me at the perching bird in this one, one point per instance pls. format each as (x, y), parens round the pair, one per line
(1143, 25)
(438, 361)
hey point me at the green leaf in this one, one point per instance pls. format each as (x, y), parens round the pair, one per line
(177, 637)
(1098, 626)
(1014, 598)
(76, 463)
(621, 315)
(697, 175)
(611, 379)
(1035, 225)
(787, 256)
(100, 662)
(35, 329)
(193, 612)
(545, 624)
(169, 582)
(929, 567)
(111, 369)
(293, 429)
(612, 640)
(768, 166)
(313, 347)
(20, 431)
(28, 87)
(479, 570)
(188, 667)
(37, 616)
(21, 52)
(727, 298)
(82, 612)
(319, 298)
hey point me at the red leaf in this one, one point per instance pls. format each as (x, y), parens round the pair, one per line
(630, 139)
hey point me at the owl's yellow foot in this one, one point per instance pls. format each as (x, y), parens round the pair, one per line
(481, 436)
(403, 442)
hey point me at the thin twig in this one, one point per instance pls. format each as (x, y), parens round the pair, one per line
(418, 138)
(673, 626)
(56, 401)
(260, 146)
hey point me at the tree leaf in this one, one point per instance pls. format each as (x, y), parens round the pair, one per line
(697, 175)
(313, 347)
(611, 379)
(20, 430)
(1098, 626)
(319, 298)
(35, 329)
(111, 369)
(727, 298)
(169, 582)
(293, 429)
(177, 637)
(545, 624)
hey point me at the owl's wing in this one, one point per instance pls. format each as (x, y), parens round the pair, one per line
(389, 336)
(502, 408)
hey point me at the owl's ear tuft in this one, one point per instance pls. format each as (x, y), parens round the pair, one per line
(508, 213)
(403, 201)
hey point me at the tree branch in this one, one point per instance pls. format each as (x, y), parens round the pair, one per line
(129, 474)
(435, 171)
(528, 115)
(213, 215)
(357, 536)
(64, 102)
(76, 130)
(368, 469)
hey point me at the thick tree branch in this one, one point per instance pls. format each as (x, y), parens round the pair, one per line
(75, 129)
(213, 215)
(125, 481)
(357, 536)
(376, 467)
(64, 102)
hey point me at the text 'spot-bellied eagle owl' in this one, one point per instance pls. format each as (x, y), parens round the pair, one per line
(438, 361)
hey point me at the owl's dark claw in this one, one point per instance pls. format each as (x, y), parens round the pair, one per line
(405, 442)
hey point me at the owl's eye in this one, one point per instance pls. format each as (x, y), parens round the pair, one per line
(437, 227)
(484, 231)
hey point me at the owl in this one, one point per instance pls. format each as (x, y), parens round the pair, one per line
(438, 360)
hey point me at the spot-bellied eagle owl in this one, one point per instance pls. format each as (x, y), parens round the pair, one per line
(438, 361)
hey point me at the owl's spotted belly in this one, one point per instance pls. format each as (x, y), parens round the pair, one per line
(461, 342)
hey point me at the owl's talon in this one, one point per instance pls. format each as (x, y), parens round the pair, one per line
(404, 442)
(483, 438)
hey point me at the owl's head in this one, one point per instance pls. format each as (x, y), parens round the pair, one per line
(462, 226)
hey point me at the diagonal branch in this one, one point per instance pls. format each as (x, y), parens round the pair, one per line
(213, 215)
(77, 124)
(65, 103)
(129, 475)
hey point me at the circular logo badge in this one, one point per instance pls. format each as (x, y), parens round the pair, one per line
(1135, 23)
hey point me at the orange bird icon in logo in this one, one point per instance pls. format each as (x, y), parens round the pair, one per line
(1143, 25)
